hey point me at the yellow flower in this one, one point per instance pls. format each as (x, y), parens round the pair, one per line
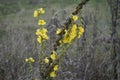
(41, 22)
(55, 68)
(44, 36)
(66, 40)
(43, 33)
(41, 11)
(38, 32)
(70, 35)
(31, 59)
(79, 36)
(58, 31)
(66, 33)
(73, 32)
(35, 14)
(80, 31)
(66, 37)
(52, 74)
(26, 60)
(43, 30)
(75, 17)
(46, 60)
(53, 56)
(74, 27)
(39, 39)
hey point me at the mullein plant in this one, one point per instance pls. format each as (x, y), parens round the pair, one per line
(72, 30)
(50, 64)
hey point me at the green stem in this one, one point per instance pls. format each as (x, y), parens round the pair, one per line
(31, 70)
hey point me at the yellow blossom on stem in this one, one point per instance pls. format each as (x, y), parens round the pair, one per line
(53, 56)
(29, 60)
(73, 32)
(66, 40)
(80, 31)
(66, 37)
(41, 22)
(46, 60)
(41, 31)
(53, 74)
(39, 39)
(38, 32)
(55, 68)
(42, 35)
(58, 31)
(75, 17)
(69, 36)
(35, 14)
(74, 27)
(41, 11)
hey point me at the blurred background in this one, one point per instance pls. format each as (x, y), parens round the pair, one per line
(96, 56)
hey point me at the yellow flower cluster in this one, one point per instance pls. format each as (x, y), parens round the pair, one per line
(41, 11)
(80, 31)
(69, 36)
(42, 35)
(52, 57)
(53, 73)
(37, 12)
(29, 60)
